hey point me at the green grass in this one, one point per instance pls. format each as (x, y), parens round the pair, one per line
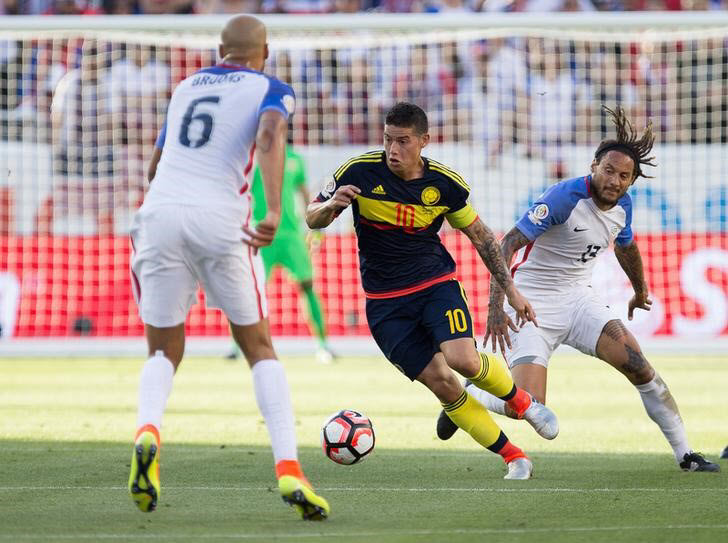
(65, 445)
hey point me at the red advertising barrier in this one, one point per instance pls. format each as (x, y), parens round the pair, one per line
(65, 286)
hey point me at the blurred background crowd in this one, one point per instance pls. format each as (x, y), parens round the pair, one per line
(98, 104)
(154, 7)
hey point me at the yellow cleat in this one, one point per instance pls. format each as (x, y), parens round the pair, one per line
(304, 500)
(144, 487)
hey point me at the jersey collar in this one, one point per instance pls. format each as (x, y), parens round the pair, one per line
(236, 67)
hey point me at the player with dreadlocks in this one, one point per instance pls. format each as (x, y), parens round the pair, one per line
(558, 239)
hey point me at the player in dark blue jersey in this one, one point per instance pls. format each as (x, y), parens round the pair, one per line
(416, 309)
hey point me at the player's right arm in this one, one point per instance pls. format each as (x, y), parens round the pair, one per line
(153, 162)
(157, 154)
(334, 199)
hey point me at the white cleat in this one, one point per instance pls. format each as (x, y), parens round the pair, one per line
(542, 419)
(519, 469)
(324, 356)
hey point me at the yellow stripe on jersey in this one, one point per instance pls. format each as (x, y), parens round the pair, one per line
(374, 156)
(462, 217)
(397, 213)
(447, 172)
(448, 169)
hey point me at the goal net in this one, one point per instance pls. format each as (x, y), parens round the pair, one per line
(513, 107)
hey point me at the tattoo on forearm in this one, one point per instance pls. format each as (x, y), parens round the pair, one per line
(490, 252)
(511, 243)
(630, 260)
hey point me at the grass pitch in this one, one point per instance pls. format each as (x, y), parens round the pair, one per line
(65, 445)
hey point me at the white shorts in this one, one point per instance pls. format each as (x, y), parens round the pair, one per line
(576, 318)
(178, 248)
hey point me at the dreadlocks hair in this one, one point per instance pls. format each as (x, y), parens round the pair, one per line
(628, 143)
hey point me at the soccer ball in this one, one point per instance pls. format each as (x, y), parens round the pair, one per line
(347, 437)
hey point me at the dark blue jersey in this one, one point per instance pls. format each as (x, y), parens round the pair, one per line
(397, 222)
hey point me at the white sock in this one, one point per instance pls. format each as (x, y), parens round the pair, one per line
(274, 402)
(661, 408)
(155, 385)
(492, 403)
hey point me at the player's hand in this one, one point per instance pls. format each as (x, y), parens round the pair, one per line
(640, 300)
(343, 196)
(497, 329)
(524, 311)
(263, 233)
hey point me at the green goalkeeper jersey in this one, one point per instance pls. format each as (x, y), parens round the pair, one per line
(294, 175)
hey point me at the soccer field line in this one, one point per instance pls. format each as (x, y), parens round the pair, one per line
(404, 453)
(348, 535)
(378, 489)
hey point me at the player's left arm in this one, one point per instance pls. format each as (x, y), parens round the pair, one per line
(630, 260)
(490, 252)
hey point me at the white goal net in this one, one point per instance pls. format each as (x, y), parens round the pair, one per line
(514, 105)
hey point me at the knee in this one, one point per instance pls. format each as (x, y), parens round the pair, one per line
(466, 363)
(256, 350)
(446, 387)
(254, 342)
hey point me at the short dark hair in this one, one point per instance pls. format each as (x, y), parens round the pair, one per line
(628, 143)
(407, 115)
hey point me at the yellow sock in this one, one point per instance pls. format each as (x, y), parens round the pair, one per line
(472, 417)
(494, 378)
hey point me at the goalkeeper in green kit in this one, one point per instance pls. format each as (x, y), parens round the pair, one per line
(289, 245)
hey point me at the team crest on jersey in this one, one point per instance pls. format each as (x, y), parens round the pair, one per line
(538, 213)
(615, 229)
(430, 196)
(289, 102)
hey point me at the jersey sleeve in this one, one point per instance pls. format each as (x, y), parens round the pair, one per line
(461, 214)
(343, 176)
(551, 208)
(279, 97)
(625, 237)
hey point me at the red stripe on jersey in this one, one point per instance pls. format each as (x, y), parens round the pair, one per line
(525, 257)
(588, 185)
(409, 290)
(387, 226)
(248, 167)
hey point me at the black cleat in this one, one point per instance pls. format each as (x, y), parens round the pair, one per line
(446, 428)
(724, 454)
(694, 461)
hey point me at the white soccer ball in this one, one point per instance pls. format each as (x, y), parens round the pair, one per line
(347, 437)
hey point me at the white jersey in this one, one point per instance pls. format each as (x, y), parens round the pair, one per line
(567, 232)
(208, 139)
